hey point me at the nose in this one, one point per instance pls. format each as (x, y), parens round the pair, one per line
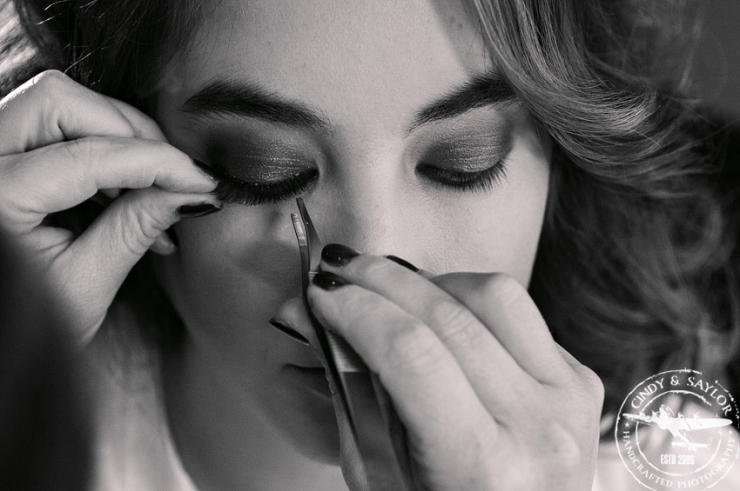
(369, 208)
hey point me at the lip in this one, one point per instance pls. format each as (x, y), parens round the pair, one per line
(312, 378)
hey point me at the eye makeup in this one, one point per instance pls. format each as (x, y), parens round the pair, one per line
(469, 156)
(254, 169)
(234, 190)
(483, 180)
(466, 155)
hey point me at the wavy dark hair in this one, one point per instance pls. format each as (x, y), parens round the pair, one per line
(635, 271)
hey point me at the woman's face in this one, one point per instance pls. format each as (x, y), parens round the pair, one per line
(387, 118)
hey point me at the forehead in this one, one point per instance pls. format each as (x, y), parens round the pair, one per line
(382, 55)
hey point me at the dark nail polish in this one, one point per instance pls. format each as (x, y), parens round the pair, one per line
(328, 281)
(403, 263)
(338, 254)
(197, 210)
(206, 169)
(286, 329)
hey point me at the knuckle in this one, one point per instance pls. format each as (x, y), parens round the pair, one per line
(413, 349)
(447, 311)
(456, 321)
(586, 389)
(49, 79)
(143, 226)
(564, 449)
(19, 193)
(46, 84)
(52, 85)
(151, 223)
(169, 159)
(503, 287)
(10, 174)
(593, 384)
(85, 151)
(139, 119)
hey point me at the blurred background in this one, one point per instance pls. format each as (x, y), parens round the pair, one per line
(718, 58)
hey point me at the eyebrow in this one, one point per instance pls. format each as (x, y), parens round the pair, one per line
(228, 98)
(249, 100)
(483, 90)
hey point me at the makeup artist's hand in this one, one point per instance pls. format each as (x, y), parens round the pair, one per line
(488, 399)
(61, 144)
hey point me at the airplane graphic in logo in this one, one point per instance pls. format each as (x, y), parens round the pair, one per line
(679, 426)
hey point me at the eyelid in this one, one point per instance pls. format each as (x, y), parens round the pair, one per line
(459, 181)
(464, 159)
(256, 167)
(267, 158)
(234, 190)
(467, 158)
(279, 175)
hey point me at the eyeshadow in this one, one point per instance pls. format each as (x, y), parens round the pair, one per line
(258, 158)
(470, 151)
(471, 142)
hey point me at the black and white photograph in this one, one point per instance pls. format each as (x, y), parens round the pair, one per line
(369, 245)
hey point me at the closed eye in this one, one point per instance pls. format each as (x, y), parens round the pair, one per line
(483, 180)
(232, 189)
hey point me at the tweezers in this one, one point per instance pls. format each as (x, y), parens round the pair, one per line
(378, 433)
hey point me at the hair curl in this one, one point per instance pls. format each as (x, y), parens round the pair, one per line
(635, 270)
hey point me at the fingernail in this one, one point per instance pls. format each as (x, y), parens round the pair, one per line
(328, 281)
(286, 329)
(197, 210)
(338, 254)
(403, 263)
(206, 169)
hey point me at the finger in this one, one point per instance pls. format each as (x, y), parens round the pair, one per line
(51, 108)
(143, 126)
(60, 176)
(429, 390)
(475, 349)
(163, 245)
(111, 193)
(504, 306)
(120, 236)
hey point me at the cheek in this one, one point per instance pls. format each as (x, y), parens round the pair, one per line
(232, 272)
(501, 232)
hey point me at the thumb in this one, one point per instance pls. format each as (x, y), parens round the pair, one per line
(101, 258)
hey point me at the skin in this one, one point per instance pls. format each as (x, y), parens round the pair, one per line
(235, 268)
(249, 407)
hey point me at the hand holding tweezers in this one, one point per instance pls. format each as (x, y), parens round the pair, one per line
(378, 433)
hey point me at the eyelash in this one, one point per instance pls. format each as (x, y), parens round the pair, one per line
(231, 189)
(483, 180)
